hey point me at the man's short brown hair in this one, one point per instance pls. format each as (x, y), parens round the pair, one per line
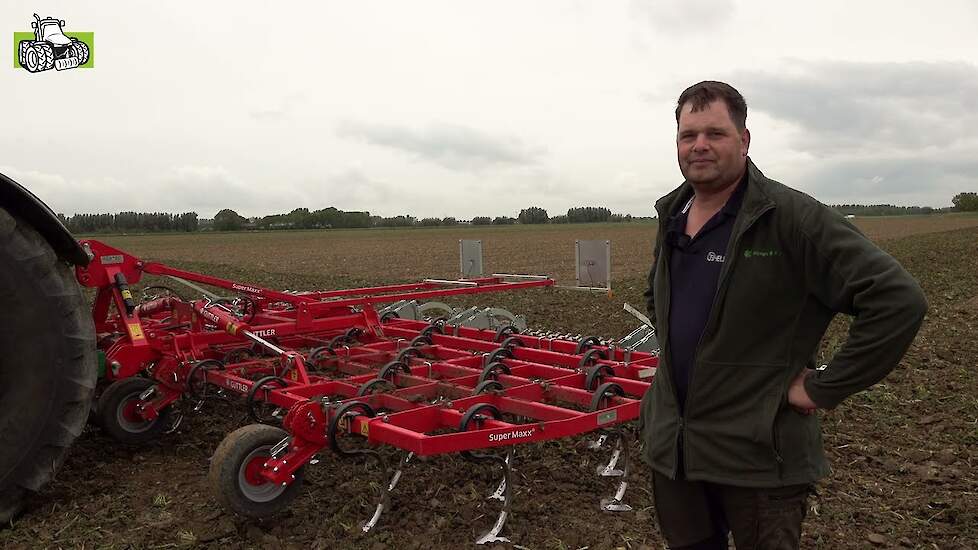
(708, 91)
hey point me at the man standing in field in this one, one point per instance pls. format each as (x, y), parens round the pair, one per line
(748, 274)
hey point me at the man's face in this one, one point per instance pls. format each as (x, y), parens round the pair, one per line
(712, 151)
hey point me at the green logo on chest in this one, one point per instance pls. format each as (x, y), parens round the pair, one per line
(751, 253)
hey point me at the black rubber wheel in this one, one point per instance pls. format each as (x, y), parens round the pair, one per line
(233, 471)
(488, 385)
(492, 370)
(596, 374)
(337, 341)
(404, 356)
(389, 370)
(197, 377)
(605, 391)
(586, 343)
(503, 331)
(499, 354)
(48, 367)
(257, 409)
(117, 415)
(433, 328)
(377, 385)
(591, 357)
(512, 342)
(351, 409)
(421, 340)
(318, 354)
(475, 412)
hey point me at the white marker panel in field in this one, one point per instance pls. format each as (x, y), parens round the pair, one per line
(470, 258)
(593, 264)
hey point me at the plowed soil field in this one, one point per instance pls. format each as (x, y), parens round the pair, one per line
(904, 454)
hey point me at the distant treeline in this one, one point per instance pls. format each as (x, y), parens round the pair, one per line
(886, 210)
(327, 218)
(303, 218)
(131, 221)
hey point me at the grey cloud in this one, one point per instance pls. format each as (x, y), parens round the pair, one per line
(202, 189)
(926, 180)
(846, 107)
(679, 16)
(903, 133)
(352, 189)
(451, 146)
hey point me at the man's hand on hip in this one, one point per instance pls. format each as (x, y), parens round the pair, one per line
(798, 396)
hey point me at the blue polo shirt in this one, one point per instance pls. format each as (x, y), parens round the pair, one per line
(694, 273)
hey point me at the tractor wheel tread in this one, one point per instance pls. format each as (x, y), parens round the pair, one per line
(50, 353)
(45, 54)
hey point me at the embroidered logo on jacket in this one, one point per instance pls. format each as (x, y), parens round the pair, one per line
(714, 257)
(749, 253)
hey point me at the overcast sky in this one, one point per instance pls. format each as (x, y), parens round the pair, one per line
(461, 108)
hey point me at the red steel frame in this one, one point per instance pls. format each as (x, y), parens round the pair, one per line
(330, 344)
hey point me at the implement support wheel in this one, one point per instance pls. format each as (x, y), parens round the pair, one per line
(119, 417)
(235, 473)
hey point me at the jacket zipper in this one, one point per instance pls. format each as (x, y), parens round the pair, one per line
(777, 445)
(717, 298)
(664, 338)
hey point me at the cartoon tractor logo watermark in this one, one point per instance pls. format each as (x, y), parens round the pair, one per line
(51, 48)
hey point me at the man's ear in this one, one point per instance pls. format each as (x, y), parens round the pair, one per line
(744, 142)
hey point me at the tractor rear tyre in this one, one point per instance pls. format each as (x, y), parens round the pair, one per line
(48, 366)
(118, 417)
(234, 473)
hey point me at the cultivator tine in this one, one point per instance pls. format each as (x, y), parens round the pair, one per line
(492, 536)
(620, 454)
(597, 443)
(610, 469)
(500, 492)
(175, 422)
(386, 491)
(385, 496)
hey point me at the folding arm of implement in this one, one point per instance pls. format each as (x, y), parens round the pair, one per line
(339, 372)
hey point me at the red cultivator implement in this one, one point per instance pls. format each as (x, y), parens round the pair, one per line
(332, 369)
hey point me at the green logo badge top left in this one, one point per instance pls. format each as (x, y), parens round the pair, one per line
(48, 46)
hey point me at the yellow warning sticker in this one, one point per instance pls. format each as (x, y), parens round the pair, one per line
(135, 331)
(365, 429)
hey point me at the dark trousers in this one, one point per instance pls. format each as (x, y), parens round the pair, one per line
(695, 515)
